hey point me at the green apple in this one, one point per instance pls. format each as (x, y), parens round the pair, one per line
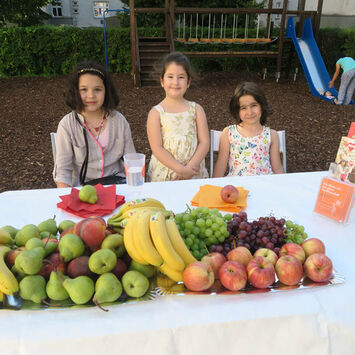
(147, 270)
(135, 283)
(102, 260)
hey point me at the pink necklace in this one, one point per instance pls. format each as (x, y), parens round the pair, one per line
(99, 127)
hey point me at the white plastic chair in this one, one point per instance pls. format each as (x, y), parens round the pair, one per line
(215, 137)
(53, 134)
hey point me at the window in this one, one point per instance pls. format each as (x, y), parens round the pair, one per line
(99, 7)
(57, 9)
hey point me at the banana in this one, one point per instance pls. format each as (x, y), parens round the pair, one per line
(118, 218)
(8, 282)
(129, 242)
(173, 274)
(162, 242)
(178, 243)
(5, 237)
(137, 203)
(143, 241)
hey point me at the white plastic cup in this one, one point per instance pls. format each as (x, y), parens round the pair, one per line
(134, 164)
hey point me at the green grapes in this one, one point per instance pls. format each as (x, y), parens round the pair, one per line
(295, 233)
(201, 228)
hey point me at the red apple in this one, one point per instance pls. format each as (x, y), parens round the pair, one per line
(12, 255)
(233, 275)
(313, 246)
(198, 276)
(293, 249)
(318, 267)
(53, 263)
(92, 231)
(268, 254)
(79, 267)
(289, 270)
(69, 230)
(240, 254)
(261, 273)
(120, 268)
(229, 194)
(216, 260)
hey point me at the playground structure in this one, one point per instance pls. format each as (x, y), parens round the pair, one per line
(199, 25)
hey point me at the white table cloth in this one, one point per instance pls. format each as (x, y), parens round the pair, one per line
(318, 320)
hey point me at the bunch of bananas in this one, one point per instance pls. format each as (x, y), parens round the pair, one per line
(119, 221)
(8, 282)
(152, 239)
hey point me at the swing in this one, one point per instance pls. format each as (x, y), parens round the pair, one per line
(192, 40)
(202, 39)
(181, 39)
(214, 39)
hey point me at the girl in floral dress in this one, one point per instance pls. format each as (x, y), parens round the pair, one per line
(177, 129)
(248, 147)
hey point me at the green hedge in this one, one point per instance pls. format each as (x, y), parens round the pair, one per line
(53, 50)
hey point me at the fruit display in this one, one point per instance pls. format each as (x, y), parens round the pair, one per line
(145, 248)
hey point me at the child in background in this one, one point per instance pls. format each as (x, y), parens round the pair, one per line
(248, 147)
(92, 139)
(347, 81)
(177, 129)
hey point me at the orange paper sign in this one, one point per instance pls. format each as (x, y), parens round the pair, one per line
(335, 199)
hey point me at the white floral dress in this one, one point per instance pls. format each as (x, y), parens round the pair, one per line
(179, 135)
(249, 155)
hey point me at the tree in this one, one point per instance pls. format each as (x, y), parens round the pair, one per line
(23, 12)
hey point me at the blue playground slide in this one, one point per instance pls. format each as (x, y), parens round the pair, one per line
(311, 59)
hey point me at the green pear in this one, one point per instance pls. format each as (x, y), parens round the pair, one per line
(54, 288)
(25, 233)
(107, 288)
(49, 246)
(135, 283)
(33, 288)
(88, 194)
(70, 247)
(12, 230)
(63, 225)
(80, 289)
(18, 274)
(49, 225)
(102, 260)
(147, 270)
(115, 243)
(46, 234)
(30, 261)
(34, 243)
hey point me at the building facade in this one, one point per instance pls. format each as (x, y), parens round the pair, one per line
(81, 13)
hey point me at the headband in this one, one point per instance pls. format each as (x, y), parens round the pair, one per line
(91, 70)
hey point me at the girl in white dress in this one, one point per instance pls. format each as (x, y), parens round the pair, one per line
(177, 129)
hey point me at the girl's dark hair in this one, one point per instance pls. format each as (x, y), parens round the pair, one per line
(252, 89)
(73, 99)
(179, 59)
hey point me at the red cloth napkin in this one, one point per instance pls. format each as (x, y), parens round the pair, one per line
(107, 201)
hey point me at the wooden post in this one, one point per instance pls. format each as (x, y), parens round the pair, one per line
(133, 26)
(172, 21)
(317, 19)
(268, 24)
(281, 40)
(166, 22)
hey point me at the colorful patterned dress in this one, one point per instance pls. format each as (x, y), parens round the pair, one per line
(179, 135)
(249, 155)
